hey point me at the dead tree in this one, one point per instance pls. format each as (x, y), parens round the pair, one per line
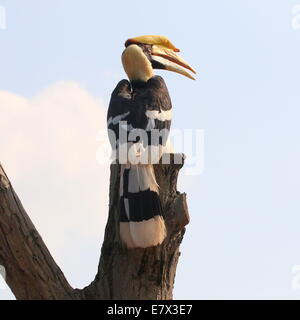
(138, 274)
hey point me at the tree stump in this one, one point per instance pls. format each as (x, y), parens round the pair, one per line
(124, 274)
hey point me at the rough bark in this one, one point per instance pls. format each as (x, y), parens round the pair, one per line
(31, 272)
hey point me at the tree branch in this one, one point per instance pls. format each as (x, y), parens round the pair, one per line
(32, 273)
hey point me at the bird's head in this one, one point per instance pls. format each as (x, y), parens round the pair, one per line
(145, 53)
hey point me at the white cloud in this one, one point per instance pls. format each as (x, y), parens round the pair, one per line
(48, 148)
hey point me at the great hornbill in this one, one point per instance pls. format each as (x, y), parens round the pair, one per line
(139, 119)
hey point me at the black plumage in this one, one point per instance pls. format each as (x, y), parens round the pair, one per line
(130, 102)
(138, 121)
(147, 106)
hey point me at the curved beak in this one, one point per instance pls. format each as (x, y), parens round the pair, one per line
(164, 58)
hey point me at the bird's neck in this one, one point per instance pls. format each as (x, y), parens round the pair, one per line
(136, 65)
(138, 84)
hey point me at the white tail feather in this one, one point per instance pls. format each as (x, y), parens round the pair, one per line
(143, 234)
(126, 235)
(141, 178)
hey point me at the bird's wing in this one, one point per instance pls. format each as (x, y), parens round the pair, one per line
(147, 107)
(154, 110)
(119, 109)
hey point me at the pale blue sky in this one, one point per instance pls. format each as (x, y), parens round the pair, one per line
(243, 239)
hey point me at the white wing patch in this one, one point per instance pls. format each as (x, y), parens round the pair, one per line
(159, 115)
